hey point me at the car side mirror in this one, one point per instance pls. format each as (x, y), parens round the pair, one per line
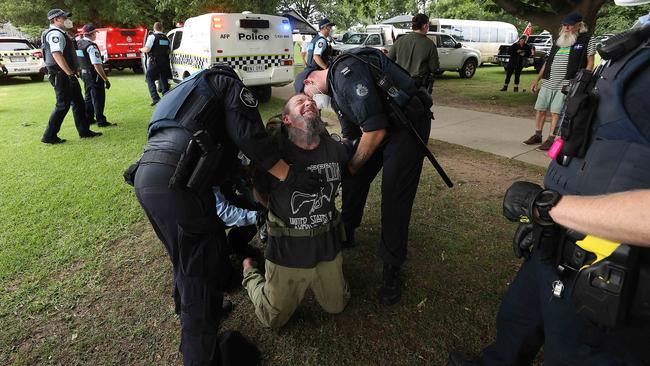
(458, 45)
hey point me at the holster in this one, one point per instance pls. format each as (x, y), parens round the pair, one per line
(197, 165)
(129, 173)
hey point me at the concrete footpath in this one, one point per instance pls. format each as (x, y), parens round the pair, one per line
(489, 132)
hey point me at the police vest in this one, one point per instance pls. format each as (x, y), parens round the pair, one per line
(577, 57)
(69, 52)
(325, 55)
(617, 159)
(82, 54)
(160, 49)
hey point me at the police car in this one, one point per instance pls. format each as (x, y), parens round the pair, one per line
(21, 58)
(258, 47)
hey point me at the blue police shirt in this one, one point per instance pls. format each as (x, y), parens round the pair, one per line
(232, 215)
(56, 40)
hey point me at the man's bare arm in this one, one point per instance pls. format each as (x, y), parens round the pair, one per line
(319, 60)
(63, 64)
(367, 145)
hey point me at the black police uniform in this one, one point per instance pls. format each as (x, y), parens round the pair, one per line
(94, 87)
(158, 67)
(361, 106)
(185, 219)
(319, 41)
(67, 89)
(617, 159)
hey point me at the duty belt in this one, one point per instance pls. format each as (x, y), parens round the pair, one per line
(277, 228)
(160, 157)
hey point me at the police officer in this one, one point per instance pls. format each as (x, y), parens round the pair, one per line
(320, 50)
(92, 73)
(61, 62)
(584, 299)
(194, 138)
(416, 53)
(380, 141)
(157, 47)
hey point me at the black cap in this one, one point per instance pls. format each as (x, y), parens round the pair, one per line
(299, 82)
(57, 13)
(324, 23)
(88, 28)
(572, 18)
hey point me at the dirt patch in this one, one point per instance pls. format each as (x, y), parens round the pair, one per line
(452, 289)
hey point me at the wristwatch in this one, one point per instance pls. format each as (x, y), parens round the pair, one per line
(544, 202)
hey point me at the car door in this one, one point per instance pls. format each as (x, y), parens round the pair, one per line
(453, 54)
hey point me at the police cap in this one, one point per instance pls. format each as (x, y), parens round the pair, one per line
(324, 23)
(299, 82)
(54, 13)
(88, 28)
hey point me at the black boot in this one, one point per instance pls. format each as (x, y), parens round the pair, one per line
(390, 292)
(349, 238)
(505, 88)
(516, 89)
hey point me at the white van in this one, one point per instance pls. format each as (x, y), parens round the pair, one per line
(258, 47)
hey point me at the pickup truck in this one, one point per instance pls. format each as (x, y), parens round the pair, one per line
(354, 40)
(540, 44)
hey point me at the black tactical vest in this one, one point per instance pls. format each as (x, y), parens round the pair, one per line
(325, 55)
(577, 57)
(69, 52)
(160, 49)
(82, 54)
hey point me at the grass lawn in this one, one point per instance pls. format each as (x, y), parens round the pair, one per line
(85, 280)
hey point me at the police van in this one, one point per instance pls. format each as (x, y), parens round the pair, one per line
(258, 47)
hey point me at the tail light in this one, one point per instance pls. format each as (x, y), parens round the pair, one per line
(287, 62)
(110, 45)
(38, 54)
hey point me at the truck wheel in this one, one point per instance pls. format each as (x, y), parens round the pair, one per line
(138, 69)
(37, 77)
(262, 92)
(468, 69)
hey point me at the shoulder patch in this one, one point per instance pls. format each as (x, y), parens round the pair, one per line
(362, 90)
(56, 39)
(97, 54)
(248, 98)
(320, 44)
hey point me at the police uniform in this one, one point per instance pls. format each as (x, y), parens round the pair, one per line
(362, 107)
(158, 67)
(185, 219)
(539, 307)
(94, 87)
(319, 46)
(66, 88)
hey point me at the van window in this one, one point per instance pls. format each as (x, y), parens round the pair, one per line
(446, 41)
(373, 40)
(177, 40)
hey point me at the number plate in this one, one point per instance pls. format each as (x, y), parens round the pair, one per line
(17, 59)
(131, 55)
(256, 68)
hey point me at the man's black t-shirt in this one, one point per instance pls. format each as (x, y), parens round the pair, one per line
(302, 210)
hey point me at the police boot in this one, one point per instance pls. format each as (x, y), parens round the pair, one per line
(349, 238)
(459, 359)
(390, 292)
(505, 88)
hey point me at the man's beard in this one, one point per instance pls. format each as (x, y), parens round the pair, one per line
(314, 126)
(566, 39)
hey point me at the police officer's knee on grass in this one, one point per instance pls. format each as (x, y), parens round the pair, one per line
(194, 138)
(92, 73)
(582, 292)
(388, 117)
(61, 63)
(305, 229)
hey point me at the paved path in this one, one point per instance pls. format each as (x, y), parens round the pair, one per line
(489, 132)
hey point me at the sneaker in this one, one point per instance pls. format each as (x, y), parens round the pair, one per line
(54, 140)
(505, 88)
(390, 292)
(546, 145)
(106, 124)
(90, 134)
(533, 140)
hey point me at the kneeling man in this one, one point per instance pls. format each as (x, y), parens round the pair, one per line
(305, 230)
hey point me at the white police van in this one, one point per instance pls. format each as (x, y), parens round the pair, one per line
(258, 47)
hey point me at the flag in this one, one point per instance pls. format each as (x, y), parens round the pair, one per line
(529, 30)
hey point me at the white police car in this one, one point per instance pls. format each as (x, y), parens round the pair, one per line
(21, 58)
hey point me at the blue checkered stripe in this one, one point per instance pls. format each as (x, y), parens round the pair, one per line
(240, 62)
(197, 62)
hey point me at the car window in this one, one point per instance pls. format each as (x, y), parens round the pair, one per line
(356, 38)
(14, 45)
(373, 40)
(446, 41)
(177, 40)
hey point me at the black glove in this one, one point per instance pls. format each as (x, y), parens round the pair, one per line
(73, 79)
(303, 181)
(523, 240)
(107, 84)
(4, 70)
(519, 200)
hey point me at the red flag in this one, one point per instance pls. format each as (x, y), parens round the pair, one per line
(529, 30)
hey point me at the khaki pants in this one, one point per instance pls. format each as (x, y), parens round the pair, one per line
(278, 295)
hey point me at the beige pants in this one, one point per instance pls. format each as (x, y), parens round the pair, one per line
(278, 295)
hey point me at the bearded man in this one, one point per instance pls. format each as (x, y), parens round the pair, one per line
(573, 50)
(304, 229)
